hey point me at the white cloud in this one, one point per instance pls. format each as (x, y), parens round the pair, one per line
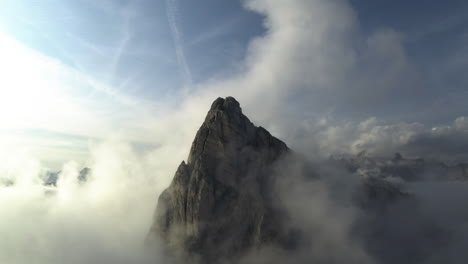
(328, 137)
(172, 12)
(312, 61)
(101, 221)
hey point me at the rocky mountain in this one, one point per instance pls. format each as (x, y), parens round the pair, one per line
(242, 190)
(220, 202)
(50, 178)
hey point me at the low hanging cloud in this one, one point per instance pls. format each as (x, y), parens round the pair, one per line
(102, 220)
(313, 61)
(327, 137)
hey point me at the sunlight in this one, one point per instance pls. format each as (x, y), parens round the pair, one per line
(30, 84)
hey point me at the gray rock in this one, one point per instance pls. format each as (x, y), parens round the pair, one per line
(51, 178)
(220, 203)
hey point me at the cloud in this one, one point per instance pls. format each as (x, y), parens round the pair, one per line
(312, 66)
(173, 17)
(215, 32)
(424, 224)
(101, 221)
(318, 204)
(63, 101)
(314, 60)
(122, 46)
(328, 137)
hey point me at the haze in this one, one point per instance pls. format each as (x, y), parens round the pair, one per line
(122, 87)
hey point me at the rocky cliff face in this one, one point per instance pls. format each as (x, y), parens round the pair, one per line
(220, 202)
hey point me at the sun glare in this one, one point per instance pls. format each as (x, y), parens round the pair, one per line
(29, 84)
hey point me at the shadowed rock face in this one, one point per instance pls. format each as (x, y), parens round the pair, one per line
(219, 203)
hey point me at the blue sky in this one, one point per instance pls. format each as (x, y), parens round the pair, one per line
(122, 67)
(130, 44)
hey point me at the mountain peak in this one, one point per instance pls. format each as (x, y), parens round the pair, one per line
(226, 104)
(397, 157)
(226, 127)
(218, 203)
(227, 110)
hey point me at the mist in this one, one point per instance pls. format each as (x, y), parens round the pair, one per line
(318, 81)
(103, 220)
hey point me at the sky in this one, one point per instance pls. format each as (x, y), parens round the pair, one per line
(79, 72)
(121, 86)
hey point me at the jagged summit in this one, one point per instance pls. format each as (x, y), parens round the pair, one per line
(228, 104)
(229, 107)
(227, 129)
(220, 202)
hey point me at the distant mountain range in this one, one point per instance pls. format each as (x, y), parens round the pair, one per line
(406, 169)
(50, 178)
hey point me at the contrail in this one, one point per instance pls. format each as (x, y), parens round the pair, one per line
(172, 12)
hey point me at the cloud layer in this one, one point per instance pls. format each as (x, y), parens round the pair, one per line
(328, 137)
(310, 79)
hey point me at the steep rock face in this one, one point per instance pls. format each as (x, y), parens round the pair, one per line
(220, 202)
